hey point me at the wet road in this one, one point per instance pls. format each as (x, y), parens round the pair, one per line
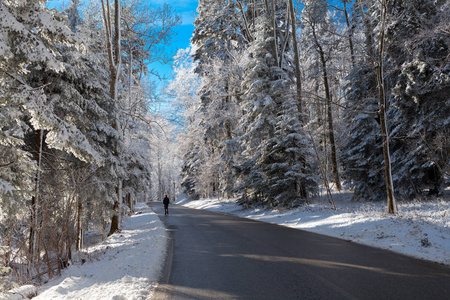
(215, 256)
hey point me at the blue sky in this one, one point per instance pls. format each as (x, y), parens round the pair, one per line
(187, 10)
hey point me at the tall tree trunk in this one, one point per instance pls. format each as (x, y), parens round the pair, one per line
(271, 14)
(383, 119)
(35, 199)
(350, 33)
(115, 62)
(79, 239)
(367, 31)
(297, 59)
(334, 164)
(129, 202)
(301, 185)
(115, 226)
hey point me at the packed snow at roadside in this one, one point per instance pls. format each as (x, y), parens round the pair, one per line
(420, 229)
(126, 266)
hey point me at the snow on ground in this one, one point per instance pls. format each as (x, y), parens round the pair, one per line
(420, 229)
(125, 266)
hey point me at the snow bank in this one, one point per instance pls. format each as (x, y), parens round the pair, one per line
(125, 266)
(20, 293)
(420, 229)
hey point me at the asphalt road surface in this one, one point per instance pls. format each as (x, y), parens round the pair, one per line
(216, 256)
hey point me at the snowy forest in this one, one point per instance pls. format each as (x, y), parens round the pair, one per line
(274, 100)
(81, 139)
(279, 98)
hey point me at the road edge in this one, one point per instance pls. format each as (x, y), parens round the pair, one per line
(163, 279)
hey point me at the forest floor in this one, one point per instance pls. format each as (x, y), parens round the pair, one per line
(128, 265)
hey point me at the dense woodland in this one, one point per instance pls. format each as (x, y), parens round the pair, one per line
(274, 100)
(80, 137)
(289, 96)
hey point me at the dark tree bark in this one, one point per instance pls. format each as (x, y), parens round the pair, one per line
(37, 155)
(79, 240)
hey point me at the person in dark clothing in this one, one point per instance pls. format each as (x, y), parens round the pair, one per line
(166, 202)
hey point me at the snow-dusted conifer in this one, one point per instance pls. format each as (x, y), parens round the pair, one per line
(321, 42)
(219, 39)
(73, 14)
(61, 99)
(418, 43)
(362, 155)
(289, 165)
(186, 102)
(274, 170)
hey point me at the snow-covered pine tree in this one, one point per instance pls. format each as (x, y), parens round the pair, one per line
(289, 165)
(418, 45)
(20, 45)
(185, 105)
(63, 102)
(218, 36)
(362, 152)
(218, 30)
(259, 111)
(362, 155)
(73, 14)
(415, 62)
(16, 165)
(276, 166)
(320, 41)
(221, 111)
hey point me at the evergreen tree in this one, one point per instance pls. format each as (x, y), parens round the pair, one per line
(62, 104)
(218, 38)
(276, 169)
(186, 102)
(412, 72)
(217, 31)
(289, 165)
(362, 155)
(259, 111)
(418, 44)
(73, 15)
(318, 35)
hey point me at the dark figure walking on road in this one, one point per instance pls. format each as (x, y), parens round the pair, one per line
(166, 202)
